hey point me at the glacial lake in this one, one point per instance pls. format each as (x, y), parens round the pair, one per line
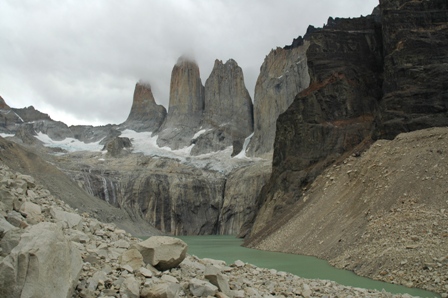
(229, 249)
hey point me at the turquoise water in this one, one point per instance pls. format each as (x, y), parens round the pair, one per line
(229, 249)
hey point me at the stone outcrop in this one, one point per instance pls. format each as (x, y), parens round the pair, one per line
(228, 109)
(145, 114)
(186, 106)
(116, 146)
(30, 114)
(332, 116)
(283, 75)
(92, 134)
(415, 66)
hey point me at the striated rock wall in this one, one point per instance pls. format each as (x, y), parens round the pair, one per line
(240, 204)
(176, 198)
(228, 110)
(415, 66)
(145, 114)
(332, 116)
(283, 75)
(185, 106)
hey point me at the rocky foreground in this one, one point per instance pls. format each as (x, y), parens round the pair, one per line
(49, 250)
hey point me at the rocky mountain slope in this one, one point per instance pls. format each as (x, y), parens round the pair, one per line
(382, 214)
(60, 185)
(47, 249)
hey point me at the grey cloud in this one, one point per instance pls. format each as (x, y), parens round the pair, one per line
(81, 59)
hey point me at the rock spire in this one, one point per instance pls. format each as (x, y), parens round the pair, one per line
(145, 114)
(185, 106)
(283, 75)
(228, 109)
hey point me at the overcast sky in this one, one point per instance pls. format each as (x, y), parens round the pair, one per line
(79, 60)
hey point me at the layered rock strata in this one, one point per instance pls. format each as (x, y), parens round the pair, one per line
(415, 66)
(228, 109)
(332, 116)
(186, 106)
(176, 198)
(283, 75)
(145, 114)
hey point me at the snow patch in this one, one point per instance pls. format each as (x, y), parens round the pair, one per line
(69, 144)
(242, 154)
(202, 131)
(5, 135)
(20, 118)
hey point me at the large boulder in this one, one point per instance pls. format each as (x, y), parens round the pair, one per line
(162, 252)
(43, 264)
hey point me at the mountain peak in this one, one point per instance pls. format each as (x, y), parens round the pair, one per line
(145, 114)
(3, 104)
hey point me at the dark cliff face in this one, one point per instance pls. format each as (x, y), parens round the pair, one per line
(332, 116)
(371, 77)
(415, 35)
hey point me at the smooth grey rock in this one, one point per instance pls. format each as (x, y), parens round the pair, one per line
(162, 252)
(130, 287)
(133, 258)
(10, 240)
(43, 264)
(16, 219)
(72, 220)
(5, 226)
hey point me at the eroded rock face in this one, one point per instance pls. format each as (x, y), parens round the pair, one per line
(240, 204)
(332, 116)
(145, 114)
(283, 75)
(116, 146)
(415, 66)
(228, 110)
(185, 107)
